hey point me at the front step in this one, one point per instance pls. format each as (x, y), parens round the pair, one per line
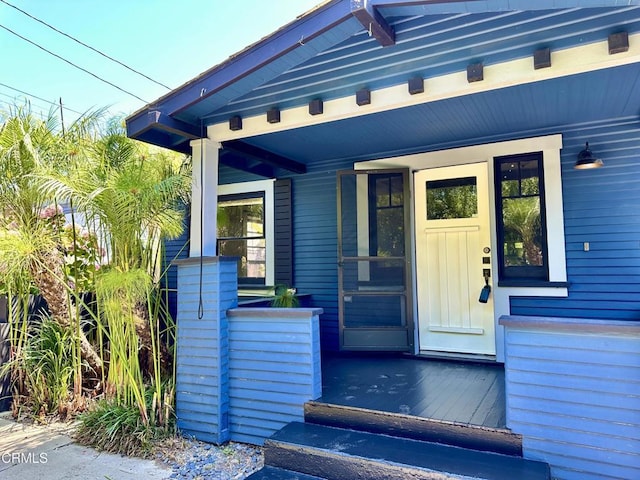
(417, 428)
(273, 473)
(337, 454)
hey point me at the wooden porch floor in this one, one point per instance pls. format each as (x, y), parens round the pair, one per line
(454, 391)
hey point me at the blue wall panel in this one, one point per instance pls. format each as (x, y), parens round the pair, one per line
(315, 243)
(573, 392)
(202, 379)
(274, 360)
(601, 207)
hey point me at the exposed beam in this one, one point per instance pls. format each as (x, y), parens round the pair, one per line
(166, 123)
(237, 162)
(154, 120)
(373, 22)
(264, 156)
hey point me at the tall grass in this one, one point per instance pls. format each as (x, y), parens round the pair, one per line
(45, 367)
(126, 197)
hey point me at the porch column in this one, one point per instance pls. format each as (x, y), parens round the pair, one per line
(204, 194)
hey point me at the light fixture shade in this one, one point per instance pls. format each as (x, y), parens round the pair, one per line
(587, 160)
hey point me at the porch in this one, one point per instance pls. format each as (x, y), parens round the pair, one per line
(453, 391)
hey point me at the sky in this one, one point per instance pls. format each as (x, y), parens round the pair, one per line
(170, 41)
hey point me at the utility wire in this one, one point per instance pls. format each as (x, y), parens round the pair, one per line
(36, 97)
(73, 64)
(37, 114)
(14, 98)
(85, 45)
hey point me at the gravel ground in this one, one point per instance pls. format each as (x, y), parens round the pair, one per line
(194, 460)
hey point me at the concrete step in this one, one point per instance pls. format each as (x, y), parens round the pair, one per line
(417, 428)
(273, 473)
(337, 454)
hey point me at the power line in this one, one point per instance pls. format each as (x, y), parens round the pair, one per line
(14, 98)
(37, 97)
(37, 114)
(85, 45)
(73, 64)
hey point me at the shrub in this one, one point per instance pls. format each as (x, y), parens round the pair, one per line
(118, 428)
(46, 369)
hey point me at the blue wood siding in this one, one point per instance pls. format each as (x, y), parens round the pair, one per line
(575, 396)
(601, 207)
(174, 249)
(274, 358)
(202, 380)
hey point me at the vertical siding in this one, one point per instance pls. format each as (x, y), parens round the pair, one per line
(573, 392)
(202, 347)
(283, 231)
(274, 358)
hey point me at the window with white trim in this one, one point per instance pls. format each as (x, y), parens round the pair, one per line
(245, 229)
(241, 234)
(521, 217)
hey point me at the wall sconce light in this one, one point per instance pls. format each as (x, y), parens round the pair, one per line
(587, 160)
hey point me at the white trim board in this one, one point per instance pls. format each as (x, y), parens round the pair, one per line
(570, 61)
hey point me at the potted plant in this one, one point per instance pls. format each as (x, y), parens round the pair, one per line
(285, 297)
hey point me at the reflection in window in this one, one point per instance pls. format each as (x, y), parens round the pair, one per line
(452, 198)
(387, 218)
(241, 234)
(521, 229)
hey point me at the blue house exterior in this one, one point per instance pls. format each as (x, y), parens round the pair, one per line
(406, 154)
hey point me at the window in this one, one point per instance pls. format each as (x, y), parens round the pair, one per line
(452, 198)
(255, 224)
(241, 233)
(520, 214)
(386, 212)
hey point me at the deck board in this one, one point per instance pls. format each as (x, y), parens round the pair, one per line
(455, 391)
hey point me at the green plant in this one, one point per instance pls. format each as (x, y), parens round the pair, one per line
(46, 368)
(124, 203)
(285, 297)
(118, 428)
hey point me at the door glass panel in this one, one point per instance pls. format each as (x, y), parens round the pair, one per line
(386, 213)
(372, 267)
(452, 198)
(374, 311)
(368, 275)
(349, 215)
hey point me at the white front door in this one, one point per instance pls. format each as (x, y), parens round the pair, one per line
(453, 256)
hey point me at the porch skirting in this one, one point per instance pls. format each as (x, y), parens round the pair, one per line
(242, 373)
(573, 393)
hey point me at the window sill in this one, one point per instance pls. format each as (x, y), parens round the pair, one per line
(532, 284)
